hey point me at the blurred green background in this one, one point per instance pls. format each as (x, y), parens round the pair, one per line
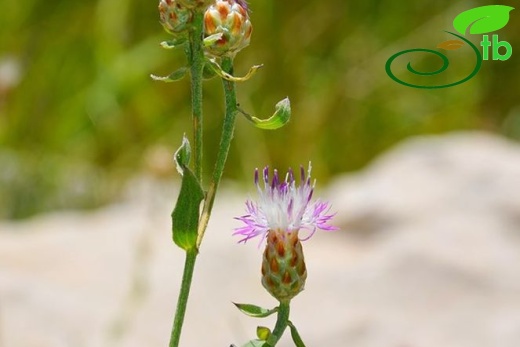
(79, 114)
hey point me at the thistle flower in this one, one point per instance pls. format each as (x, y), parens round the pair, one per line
(284, 210)
(174, 17)
(285, 207)
(227, 27)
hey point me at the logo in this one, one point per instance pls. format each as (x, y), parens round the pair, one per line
(477, 21)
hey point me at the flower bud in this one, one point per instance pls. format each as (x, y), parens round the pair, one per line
(174, 17)
(283, 266)
(230, 20)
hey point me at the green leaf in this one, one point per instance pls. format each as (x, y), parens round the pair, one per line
(483, 19)
(263, 333)
(174, 76)
(185, 215)
(281, 116)
(255, 311)
(212, 63)
(182, 155)
(170, 44)
(298, 342)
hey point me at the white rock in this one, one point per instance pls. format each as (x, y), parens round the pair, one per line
(428, 256)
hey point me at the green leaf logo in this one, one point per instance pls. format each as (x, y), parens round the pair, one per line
(482, 20)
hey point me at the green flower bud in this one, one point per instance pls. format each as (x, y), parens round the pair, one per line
(283, 266)
(227, 22)
(174, 17)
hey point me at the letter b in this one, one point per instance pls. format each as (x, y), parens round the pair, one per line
(496, 46)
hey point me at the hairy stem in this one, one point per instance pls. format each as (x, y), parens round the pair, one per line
(197, 65)
(195, 55)
(281, 323)
(225, 142)
(187, 277)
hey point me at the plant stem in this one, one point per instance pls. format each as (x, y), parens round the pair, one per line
(187, 276)
(281, 323)
(225, 142)
(195, 55)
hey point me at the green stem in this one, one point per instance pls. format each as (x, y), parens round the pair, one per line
(225, 142)
(182, 302)
(281, 323)
(196, 56)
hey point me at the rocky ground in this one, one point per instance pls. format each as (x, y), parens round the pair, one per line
(428, 255)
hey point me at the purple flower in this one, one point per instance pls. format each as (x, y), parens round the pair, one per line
(285, 207)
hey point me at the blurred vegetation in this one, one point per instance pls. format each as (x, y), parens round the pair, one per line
(79, 113)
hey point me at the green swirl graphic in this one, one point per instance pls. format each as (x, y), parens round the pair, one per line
(445, 64)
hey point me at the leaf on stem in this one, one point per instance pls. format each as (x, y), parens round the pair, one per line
(185, 215)
(281, 116)
(223, 74)
(255, 311)
(295, 335)
(170, 44)
(174, 76)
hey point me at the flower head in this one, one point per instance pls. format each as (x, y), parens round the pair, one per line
(174, 17)
(227, 24)
(285, 207)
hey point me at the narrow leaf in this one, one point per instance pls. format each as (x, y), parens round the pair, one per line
(174, 76)
(450, 45)
(298, 342)
(483, 19)
(255, 311)
(263, 333)
(281, 116)
(185, 215)
(170, 44)
(223, 74)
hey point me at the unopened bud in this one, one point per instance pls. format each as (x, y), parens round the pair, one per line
(228, 22)
(174, 17)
